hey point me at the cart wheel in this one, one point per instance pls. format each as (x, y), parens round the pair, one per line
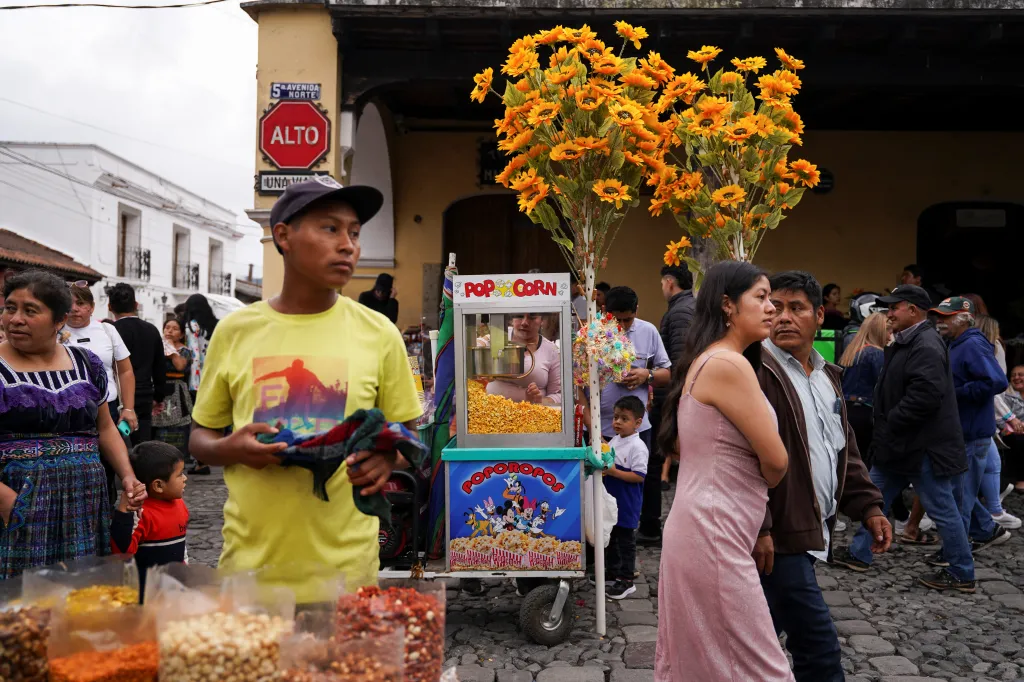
(535, 616)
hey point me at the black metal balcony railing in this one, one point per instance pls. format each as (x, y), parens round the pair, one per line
(220, 283)
(134, 264)
(186, 276)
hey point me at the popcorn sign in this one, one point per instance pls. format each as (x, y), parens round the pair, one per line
(512, 288)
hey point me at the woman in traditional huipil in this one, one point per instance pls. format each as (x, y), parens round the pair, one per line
(54, 427)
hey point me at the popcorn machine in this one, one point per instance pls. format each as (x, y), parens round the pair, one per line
(495, 316)
(513, 478)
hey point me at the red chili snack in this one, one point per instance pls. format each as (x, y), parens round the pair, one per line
(136, 663)
(24, 634)
(372, 611)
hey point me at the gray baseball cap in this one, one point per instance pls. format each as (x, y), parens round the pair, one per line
(364, 200)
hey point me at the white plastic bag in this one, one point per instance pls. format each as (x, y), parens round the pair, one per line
(609, 508)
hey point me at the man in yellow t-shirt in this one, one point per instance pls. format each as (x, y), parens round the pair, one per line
(303, 361)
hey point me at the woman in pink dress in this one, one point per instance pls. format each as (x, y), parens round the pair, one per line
(714, 623)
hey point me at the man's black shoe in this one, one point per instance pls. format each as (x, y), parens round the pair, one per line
(944, 580)
(937, 560)
(648, 540)
(843, 557)
(621, 589)
(998, 537)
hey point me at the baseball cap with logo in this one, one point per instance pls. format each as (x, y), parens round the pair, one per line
(365, 201)
(910, 293)
(954, 305)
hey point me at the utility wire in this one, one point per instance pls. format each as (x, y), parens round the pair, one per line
(127, 137)
(99, 4)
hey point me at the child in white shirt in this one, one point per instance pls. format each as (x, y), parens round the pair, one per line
(625, 482)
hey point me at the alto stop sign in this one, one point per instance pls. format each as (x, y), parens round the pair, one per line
(294, 134)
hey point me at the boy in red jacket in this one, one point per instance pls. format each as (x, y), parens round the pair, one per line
(156, 534)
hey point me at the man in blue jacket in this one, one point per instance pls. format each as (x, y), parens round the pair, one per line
(977, 379)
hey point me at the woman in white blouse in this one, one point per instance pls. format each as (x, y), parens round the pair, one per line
(543, 385)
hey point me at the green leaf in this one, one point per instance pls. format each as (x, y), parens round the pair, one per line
(709, 159)
(744, 105)
(794, 196)
(731, 227)
(750, 177)
(628, 66)
(780, 137)
(566, 185)
(605, 126)
(564, 241)
(616, 161)
(760, 208)
(512, 97)
(715, 84)
(772, 221)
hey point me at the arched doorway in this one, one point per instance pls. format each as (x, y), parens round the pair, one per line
(970, 247)
(489, 235)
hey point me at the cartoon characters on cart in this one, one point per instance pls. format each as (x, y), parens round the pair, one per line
(518, 513)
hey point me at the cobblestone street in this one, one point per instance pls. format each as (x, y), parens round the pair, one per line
(891, 628)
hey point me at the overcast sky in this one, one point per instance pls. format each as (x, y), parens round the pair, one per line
(183, 80)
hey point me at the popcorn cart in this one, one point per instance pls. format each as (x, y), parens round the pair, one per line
(513, 480)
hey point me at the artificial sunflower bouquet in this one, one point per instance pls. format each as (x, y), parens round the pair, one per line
(734, 181)
(585, 126)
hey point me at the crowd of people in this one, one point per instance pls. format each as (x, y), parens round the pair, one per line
(773, 442)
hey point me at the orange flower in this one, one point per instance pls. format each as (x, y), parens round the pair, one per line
(604, 86)
(525, 180)
(554, 35)
(758, 123)
(626, 113)
(560, 56)
(607, 66)
(578, 35)
(634, 159)
(593, 144)
(634, 33)
(520, 62)
(483, 85)
(704, 55)
(514, 144)
(774, 86)
(705, 124)
(789, 77)
(729, 196)
(532, 196)
(638, 79)
(589, 99)
(656, 207)
(792, 122)
(567, 151)
(515, 164)
(673, 253)
(561, 75)
(594, 49)
(657, 68)
(611, 191)
(754, 64)
(542, 113)
(781, 189)
(738, 132)
(787, 61)
(523, 85)
(730, 80)
(804, 172)
(714, 105)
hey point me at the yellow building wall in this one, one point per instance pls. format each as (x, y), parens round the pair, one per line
(296, 44)
(860, 235)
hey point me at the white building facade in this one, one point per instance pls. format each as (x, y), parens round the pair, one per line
(122, 220)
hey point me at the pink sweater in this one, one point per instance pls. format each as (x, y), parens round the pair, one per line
(547, 376)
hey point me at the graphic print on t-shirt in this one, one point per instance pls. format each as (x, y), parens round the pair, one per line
(304, 394)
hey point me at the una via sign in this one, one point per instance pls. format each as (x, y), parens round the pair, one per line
(294, 91)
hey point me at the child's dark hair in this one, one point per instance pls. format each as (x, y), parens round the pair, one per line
(632, 404)
(154, 460)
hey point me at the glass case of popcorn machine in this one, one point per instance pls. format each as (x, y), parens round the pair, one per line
(513, 360)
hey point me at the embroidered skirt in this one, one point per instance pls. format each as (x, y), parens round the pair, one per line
(61, 512)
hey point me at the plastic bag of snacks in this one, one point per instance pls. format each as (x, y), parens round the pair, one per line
(112, 645)
(221, 631)
(313, 654)
(24, 633)
(93, 584)
(416, 606)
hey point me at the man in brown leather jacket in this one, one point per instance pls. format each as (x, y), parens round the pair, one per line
(826, 475)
